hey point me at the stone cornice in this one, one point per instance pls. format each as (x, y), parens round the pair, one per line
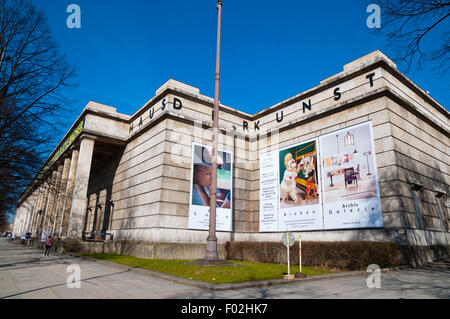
(346, 77)
(302, 96)
(382, 92)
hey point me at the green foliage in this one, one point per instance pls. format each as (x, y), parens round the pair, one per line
(341, 256)
(72, 245)
(246, 271)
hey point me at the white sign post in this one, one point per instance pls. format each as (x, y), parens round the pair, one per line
(289, 270)
(300, 252)
(288, 240)
(300, 274)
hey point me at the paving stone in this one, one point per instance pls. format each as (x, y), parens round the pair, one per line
(47, 280)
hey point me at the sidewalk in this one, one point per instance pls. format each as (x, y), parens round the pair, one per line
(26, 273)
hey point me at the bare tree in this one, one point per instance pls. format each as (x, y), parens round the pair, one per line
(4, 218)
(32, 76)
(409, 24)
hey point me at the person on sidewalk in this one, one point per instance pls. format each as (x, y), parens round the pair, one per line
(48, 245)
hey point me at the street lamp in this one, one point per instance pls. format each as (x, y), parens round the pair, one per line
(211, 245)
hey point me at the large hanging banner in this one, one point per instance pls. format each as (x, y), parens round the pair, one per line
(326, 183)
(290, 189)
(299, 191)
(351, 195)
(201, 189)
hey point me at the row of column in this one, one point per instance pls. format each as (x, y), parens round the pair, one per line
(58, 205)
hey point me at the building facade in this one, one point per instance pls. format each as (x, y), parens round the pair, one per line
(132, 176)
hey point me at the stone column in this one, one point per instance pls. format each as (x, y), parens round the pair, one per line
(57, 193)
(23, 216)
(35, 211)
(69, 193)
(30, 212)
(61, 196)
(17, 219)
(79, 198)
(36, 214)
(42, 208)
(49, 204)
(39, 216)
(22, 213)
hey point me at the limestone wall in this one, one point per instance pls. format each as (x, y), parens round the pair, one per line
(422, 155)
(151, 185)
(140, 187)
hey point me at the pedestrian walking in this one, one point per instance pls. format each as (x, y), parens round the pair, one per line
(48, 245)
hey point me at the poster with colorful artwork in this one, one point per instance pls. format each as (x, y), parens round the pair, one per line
(290, 189)
(299, 188)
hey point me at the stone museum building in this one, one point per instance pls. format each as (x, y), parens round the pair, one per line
(129, 177)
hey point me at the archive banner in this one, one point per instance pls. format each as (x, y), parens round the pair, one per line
(351, 195)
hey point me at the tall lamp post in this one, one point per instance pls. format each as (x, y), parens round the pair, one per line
(211, 246)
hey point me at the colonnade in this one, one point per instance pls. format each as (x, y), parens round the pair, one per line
(58, 204)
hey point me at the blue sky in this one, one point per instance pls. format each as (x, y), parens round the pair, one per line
(271, 50)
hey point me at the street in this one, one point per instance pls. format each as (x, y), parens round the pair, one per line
(25, 273)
